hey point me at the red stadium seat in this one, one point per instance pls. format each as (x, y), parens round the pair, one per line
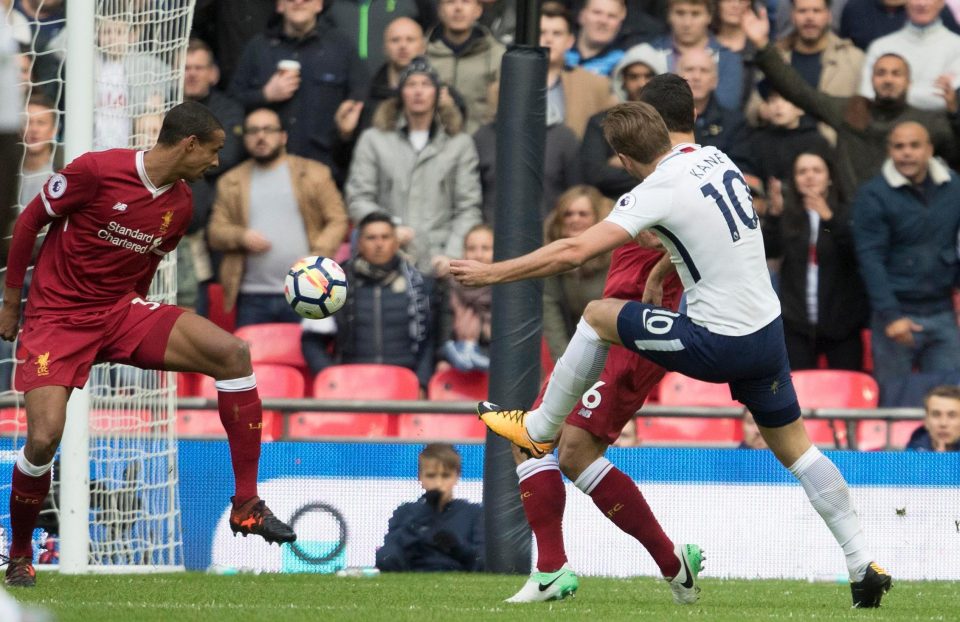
(13, 421)
(188, 384)
(679, 390)
(872, 434)
(833, 388)
(867, 337)
(277, 343)
(219, 316)
(360, 382)
(688, 430)
(546, 361)
(272, 381)
(448, 385)
(452, 385)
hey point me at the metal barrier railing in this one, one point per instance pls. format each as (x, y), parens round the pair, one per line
(287, 406)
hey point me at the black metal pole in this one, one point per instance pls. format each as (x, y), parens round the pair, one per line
(517, 307)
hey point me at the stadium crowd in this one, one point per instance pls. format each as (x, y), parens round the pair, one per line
(367, 132)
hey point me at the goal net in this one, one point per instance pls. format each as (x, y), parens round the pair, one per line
(130, 518)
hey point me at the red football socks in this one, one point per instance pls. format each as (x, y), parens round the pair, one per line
(26, 498)
(544, 498)
(620, 500)
(242, 418)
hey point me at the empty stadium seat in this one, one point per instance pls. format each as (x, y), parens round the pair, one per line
(679, 390)
(13, 421)
(688, 430)
(448, 385)
(272, 381)
(356, 382)
(872, 434)
(833, 388)
(277, 343)
(453, 385)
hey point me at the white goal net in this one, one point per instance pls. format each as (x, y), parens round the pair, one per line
(136, 74)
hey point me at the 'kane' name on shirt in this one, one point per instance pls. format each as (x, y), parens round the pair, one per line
(128, 238)
(704, 166)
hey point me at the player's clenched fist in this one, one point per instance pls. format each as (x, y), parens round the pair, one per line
(9, 321)
(471, 273)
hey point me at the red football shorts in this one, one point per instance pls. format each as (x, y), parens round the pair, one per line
(623, 387)
(59, 350)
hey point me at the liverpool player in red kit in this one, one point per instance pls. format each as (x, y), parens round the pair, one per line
(601, 414)
(113, 215)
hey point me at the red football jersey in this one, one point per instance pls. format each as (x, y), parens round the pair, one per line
(630, 266)
(110, 226)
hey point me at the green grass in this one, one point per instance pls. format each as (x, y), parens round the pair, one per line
(197, 597)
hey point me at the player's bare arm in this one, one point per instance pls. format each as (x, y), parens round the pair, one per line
(653, 291)
(10, 313)
(554, 258)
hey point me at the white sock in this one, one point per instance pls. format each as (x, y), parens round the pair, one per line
(235, 385)
(830, 497)
(529, 468)
(576, 371)
(28, 468)
(593, 475)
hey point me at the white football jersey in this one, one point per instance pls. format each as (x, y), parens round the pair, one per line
(699, 205)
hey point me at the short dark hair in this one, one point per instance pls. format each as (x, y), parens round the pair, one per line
(671, 96)
(444, 453)
(374, 217)
(637, 131)
(188, 119)
(552, 8)
(199, 45)
(949, 391)
(899, 57)
(268, 109)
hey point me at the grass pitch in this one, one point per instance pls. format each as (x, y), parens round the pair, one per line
(194, 597)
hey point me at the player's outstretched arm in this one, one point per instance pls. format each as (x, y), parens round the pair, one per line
(554, 258)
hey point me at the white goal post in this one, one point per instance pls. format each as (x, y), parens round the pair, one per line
(119, 507)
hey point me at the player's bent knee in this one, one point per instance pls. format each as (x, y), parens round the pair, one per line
(575, 455)
(238, 362)
(42, 447)
(601, 315)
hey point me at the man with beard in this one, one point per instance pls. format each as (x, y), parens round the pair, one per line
(861, 124)
(251, 221)
(825, 61)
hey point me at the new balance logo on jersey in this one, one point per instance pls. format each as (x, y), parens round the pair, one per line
(585, 413)
(120, 207)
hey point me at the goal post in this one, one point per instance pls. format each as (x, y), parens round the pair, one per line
(117, 506)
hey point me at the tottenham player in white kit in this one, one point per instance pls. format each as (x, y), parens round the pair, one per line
(696, 201)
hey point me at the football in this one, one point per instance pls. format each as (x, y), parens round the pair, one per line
(315, 287)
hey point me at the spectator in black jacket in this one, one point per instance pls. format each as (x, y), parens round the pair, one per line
(194, 264)
(389, 314)
(715, 125)
(306, 99)
(823, 301)
(435, 533)
(941, 421)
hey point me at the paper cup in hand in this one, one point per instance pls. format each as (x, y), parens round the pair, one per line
(292, 66)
